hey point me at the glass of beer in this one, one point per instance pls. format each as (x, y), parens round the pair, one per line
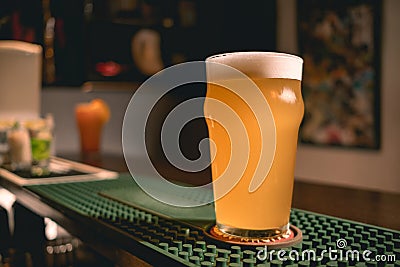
(91, 118)
(253, 109)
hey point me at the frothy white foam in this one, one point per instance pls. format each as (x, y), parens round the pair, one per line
(262, 64)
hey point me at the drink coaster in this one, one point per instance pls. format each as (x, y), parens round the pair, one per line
(290, 238)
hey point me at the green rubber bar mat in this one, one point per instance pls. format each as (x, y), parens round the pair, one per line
(151, 234)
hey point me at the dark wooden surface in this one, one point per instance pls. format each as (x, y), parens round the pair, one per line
(376, 208)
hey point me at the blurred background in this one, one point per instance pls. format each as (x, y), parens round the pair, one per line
(105, 49)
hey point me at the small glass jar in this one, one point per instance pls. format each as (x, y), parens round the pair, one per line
(5, 126)
(19, 148)
(41, 137)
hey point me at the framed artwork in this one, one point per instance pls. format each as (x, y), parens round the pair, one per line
(340, 44)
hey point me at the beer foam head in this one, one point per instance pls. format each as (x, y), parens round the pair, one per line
(262, 64)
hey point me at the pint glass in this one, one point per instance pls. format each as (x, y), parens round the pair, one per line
(253, 109)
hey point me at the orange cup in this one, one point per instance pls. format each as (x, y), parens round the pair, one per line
(91, 118)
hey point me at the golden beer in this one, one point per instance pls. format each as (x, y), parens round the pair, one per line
(265, 211)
